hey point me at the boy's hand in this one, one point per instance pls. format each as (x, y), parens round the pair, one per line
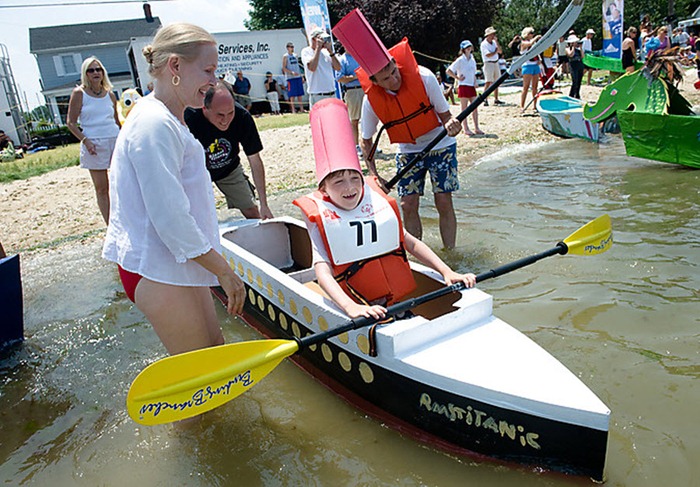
(355, 310)
(452, 277)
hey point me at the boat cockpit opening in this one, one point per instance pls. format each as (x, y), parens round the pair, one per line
(287, 247)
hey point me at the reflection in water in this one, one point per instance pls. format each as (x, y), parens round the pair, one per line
(625, 322)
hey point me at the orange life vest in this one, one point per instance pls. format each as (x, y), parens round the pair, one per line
(411, 102)
(386, 276)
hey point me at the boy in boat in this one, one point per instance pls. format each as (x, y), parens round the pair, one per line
(359, 243)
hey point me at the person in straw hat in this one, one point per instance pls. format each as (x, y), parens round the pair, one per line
(359, 244)
(407, 100)
(490, 53)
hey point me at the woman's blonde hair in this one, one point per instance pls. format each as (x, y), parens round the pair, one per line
(85, 81)
(526, 31)
(180, 39)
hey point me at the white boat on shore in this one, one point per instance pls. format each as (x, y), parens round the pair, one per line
(452, 375)
(563, 116)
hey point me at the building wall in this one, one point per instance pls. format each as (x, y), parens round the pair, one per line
(113, 58)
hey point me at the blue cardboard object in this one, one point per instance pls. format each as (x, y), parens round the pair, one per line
(11, 315)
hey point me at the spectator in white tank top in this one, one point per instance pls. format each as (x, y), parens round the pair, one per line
(94, 104)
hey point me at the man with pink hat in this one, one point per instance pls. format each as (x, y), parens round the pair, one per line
(407, 100)
(359, 244)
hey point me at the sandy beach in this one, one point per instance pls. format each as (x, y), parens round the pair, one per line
(60, 206)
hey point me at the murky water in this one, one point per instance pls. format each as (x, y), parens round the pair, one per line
(626, 322)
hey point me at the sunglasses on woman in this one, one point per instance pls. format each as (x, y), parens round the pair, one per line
(94, 70)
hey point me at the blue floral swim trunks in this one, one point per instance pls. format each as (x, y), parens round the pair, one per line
(441, 163)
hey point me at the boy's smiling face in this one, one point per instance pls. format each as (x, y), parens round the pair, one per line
(343, 188)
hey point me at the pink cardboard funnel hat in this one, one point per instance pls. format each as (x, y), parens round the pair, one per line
(360, 40)
(334, 143)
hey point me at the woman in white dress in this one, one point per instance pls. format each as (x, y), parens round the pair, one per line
(163, 230)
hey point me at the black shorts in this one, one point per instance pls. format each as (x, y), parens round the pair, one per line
(563, 59)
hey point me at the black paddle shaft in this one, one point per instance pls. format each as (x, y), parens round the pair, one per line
(464, 114)
(397, 308)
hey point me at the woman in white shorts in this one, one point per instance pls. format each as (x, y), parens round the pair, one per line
(94, 104)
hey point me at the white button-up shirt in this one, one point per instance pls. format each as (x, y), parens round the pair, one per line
(162, 211)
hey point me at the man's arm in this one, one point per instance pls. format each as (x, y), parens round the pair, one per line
(334, 62)
(284, 65)
(257, 169)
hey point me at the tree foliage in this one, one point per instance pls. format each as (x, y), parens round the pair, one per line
(541, 14)
(273, 14)
(436, 28)
(432, 28)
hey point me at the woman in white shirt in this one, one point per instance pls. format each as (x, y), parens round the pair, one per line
(95, 105)
(464, 70)
(163, 229)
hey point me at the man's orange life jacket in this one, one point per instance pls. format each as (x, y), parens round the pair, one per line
(408, 114)
(373, 226)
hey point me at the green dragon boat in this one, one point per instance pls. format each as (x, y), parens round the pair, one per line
(679, 142)
(655, 120)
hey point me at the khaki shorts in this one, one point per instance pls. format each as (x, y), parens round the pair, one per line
(317, 97)
(237, 189)
(353, 99)
(102, 159)
(492, 71)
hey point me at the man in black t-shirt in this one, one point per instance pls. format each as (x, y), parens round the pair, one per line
(222, 127)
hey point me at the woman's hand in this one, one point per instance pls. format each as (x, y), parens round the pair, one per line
(235, 292)
(90, 146)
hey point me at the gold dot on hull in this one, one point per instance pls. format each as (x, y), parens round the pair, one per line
(363, 344)
(283, 322)
(344, 361)
(366, 373)
(327, 352)
(322, 323)
(308, 317)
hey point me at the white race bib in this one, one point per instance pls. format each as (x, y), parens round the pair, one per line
(369, 230)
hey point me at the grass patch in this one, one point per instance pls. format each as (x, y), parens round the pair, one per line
(69, 155)
(267, 122)
(40, 163)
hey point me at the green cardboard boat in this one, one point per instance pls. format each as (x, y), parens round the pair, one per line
(655, 120)
(596, 61)
(666, 138)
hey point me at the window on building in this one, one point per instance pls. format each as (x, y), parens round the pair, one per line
(67, 64)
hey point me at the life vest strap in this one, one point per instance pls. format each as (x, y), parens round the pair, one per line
(423, 109)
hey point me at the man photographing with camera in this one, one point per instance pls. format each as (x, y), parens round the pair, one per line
(319, 62)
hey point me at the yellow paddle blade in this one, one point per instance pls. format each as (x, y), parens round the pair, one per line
(593, 238)
(185, 385)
